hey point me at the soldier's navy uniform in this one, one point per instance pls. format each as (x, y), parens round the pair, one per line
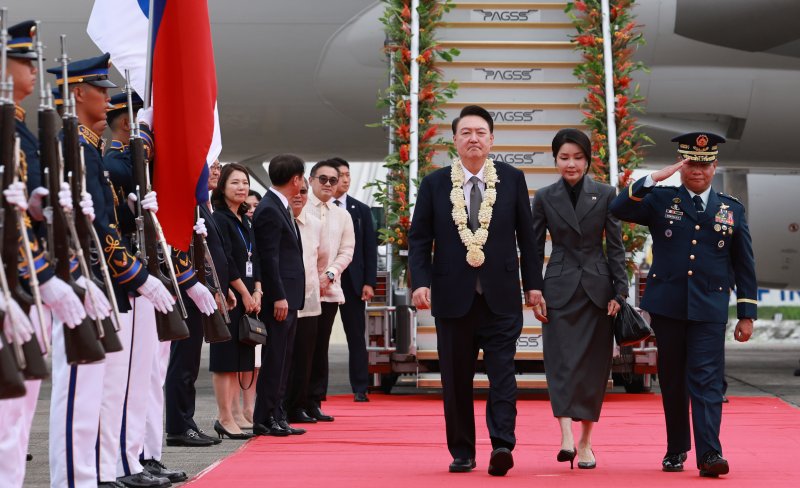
(143, 439)
(698, 258)
(16, 415)
(112, 457)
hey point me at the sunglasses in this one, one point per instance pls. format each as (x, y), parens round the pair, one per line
(324, 180)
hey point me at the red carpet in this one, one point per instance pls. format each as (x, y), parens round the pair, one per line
(399, 441)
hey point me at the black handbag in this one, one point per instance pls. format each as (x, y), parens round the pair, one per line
(629, 327)
(252, 331)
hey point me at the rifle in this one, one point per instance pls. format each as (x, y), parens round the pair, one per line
(214, 326)
(169, 326)
(12, 384)
(83, 343)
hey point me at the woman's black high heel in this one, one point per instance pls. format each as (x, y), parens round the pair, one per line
(565, 455)
(222, 432)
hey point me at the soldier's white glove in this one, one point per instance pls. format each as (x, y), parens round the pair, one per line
(97, 306)
(149, 202)
(202, 298)
(16, 324)
(145, 116)
(200, 227)
(35, 207)
(157, 293)
(63, 302)
(65, 196)
(87, 206)
(15, 195)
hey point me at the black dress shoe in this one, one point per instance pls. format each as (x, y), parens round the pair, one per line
(713, 465)
(300, 416)
(203, 434)
(157, 469)
(360, 396)
(29, 457)
(110, 484)
(501, 461)
(462, 465)
(144, 479)
(190, 438)
(271, 427)
(673, 462)
(222, 432)
(292, 430)
(316, 412)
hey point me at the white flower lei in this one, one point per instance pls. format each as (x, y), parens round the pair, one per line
(474, 241)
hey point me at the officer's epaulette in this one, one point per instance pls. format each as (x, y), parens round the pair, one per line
(116, 145)
(729, 196)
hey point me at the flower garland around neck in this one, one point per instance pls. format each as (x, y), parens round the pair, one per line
(474, 241)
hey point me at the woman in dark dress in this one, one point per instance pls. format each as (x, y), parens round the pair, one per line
(233, 361)
(582, 286)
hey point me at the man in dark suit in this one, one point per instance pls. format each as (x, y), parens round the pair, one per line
(699, 235)
(358, 282)
(475, 213)
(280, 249)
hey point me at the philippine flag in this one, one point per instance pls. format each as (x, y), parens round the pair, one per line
(185, 119)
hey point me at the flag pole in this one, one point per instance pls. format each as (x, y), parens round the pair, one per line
(148, 80)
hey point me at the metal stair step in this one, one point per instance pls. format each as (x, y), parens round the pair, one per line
(505, 31)
(507, 12)
(509, 71)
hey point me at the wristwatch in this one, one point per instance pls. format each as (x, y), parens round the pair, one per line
(330, 275)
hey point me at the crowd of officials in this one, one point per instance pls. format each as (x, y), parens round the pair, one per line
(306, 250)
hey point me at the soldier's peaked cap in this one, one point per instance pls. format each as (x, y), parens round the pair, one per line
(699, 146)
(20, 42)
(93, 71)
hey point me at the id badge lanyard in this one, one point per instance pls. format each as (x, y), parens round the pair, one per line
(248, 267)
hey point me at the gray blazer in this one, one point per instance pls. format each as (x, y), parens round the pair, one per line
(577, 236)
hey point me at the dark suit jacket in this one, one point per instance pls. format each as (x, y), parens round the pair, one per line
(707, 245)
(363, 269)
(281, 257)
(451, 279)
(577, 236)
(236, 255)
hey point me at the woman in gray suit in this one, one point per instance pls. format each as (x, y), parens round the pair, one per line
(582, 286)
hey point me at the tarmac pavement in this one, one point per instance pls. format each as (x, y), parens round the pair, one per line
(763, 369)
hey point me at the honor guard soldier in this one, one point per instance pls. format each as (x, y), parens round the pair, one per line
(123, 394)
(147, 438)
(63, 305)
(701, 250)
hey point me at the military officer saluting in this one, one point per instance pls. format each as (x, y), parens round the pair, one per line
(699, 237)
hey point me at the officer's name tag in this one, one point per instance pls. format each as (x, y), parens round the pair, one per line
(673, 214)
(248, 269)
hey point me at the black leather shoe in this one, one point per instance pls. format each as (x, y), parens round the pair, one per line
(157, 469)
(360, 397)
(713, 465)
(300, 416)
(203, 434)
(501, 461)
(271, 427)
(110, 484)
(462, 465)
(222, 432)
(317, 413)
(190, 438)
(144, 479)
(673, 462)
(29, 457)
(292, 430)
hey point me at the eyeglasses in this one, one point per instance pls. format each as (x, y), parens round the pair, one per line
(303, 191)
(216, 167)
(324, 180)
